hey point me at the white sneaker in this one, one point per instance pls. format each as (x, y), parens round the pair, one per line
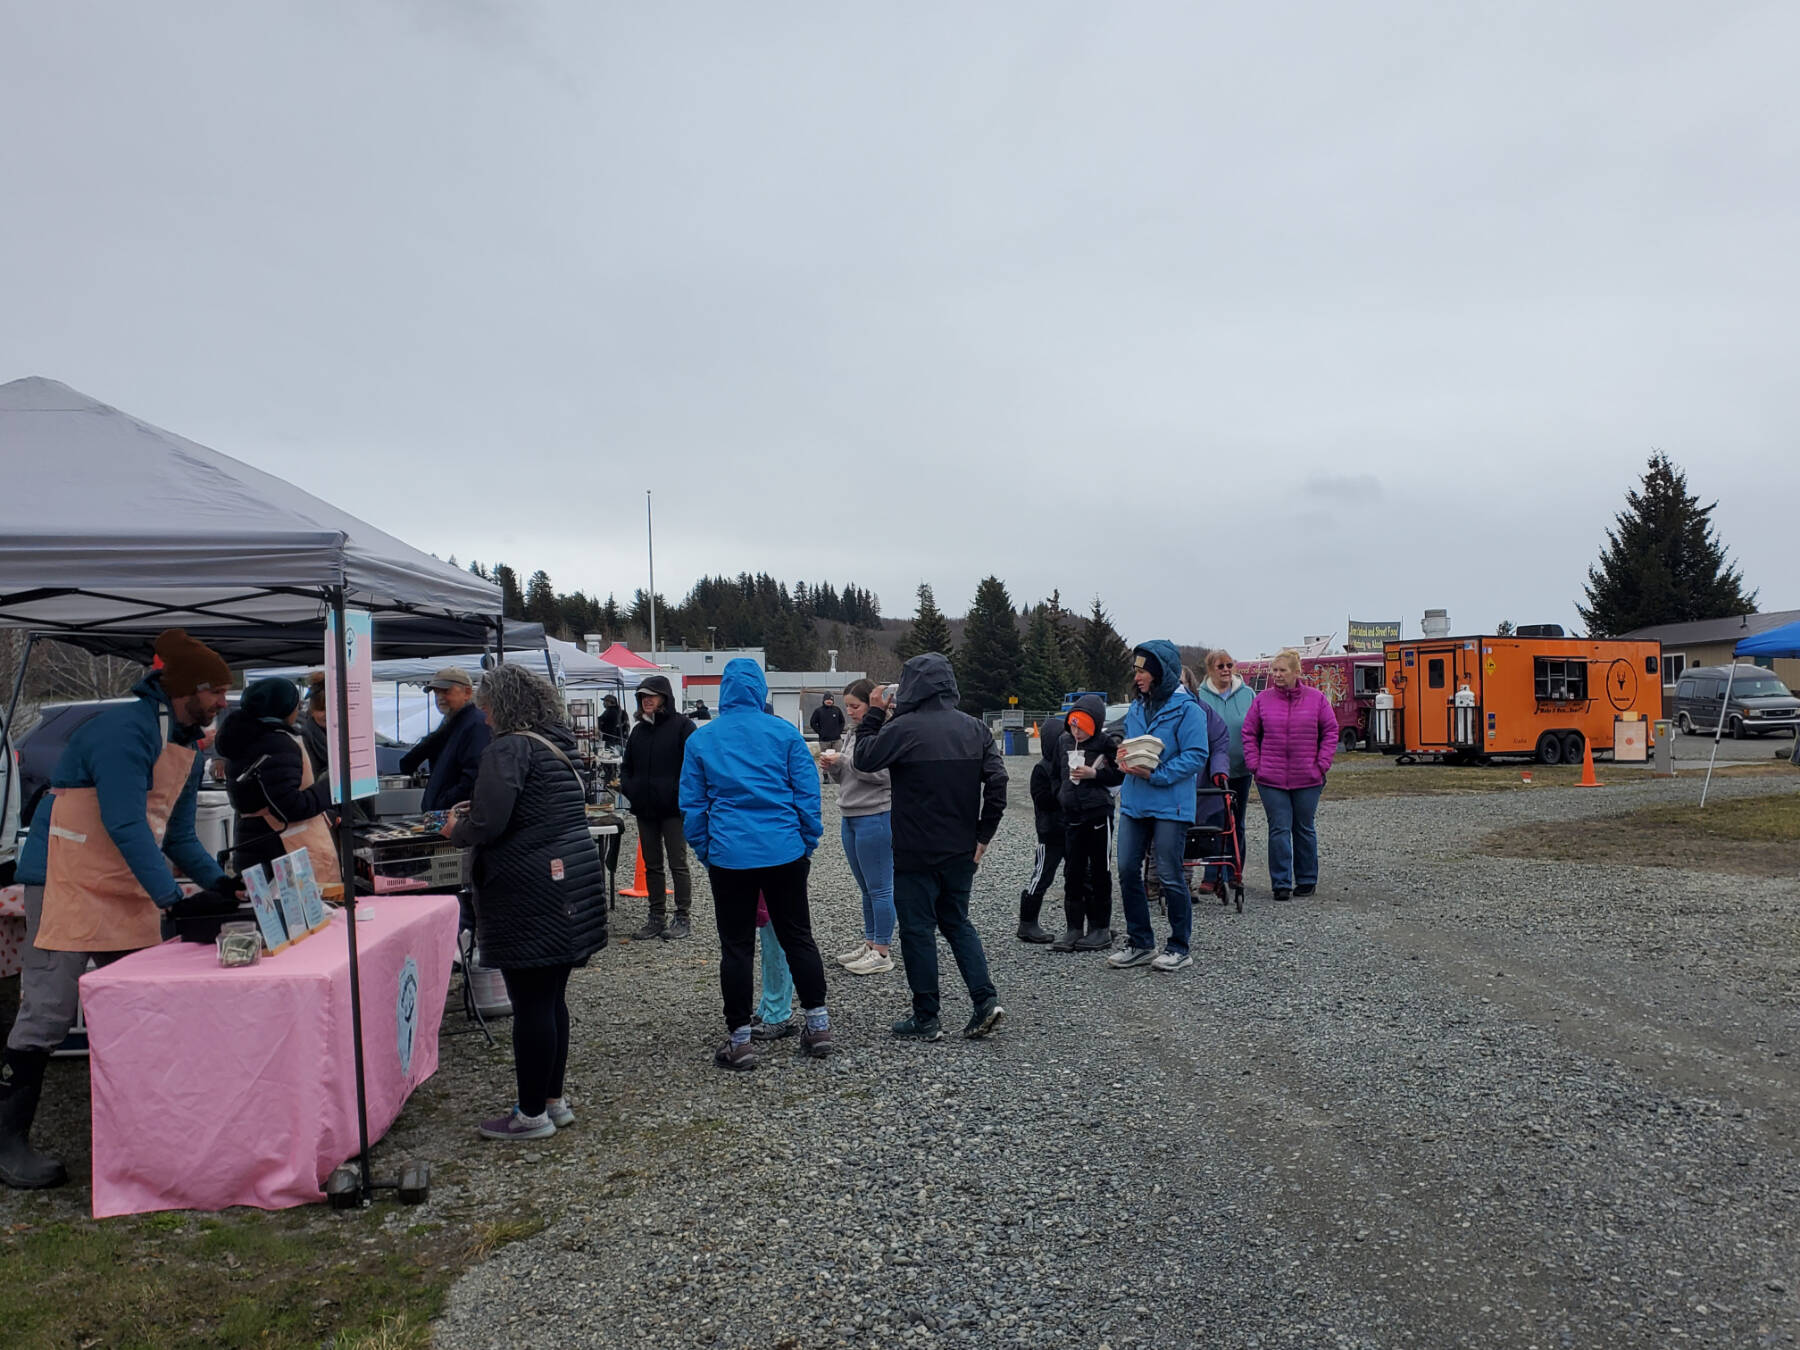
(1167, 961)
(1129, 956)
(872, 962)
(856, 953)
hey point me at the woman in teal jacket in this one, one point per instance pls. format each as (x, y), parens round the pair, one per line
(1225, 692)
(750, 808)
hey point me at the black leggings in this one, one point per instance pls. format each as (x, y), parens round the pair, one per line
(540, 1032)
(783, 889)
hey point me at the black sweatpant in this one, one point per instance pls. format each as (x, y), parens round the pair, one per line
(1087, 879)
(783, 890)
(540, 1032)
(1043, 873)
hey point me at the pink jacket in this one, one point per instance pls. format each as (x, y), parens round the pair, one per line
(1290, 736)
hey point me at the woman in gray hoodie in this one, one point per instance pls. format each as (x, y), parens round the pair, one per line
(1226, 694)
(865, 802)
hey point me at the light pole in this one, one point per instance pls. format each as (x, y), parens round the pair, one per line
(650, 538)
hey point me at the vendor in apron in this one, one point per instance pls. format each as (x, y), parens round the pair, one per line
(96, 867)
(281, 806)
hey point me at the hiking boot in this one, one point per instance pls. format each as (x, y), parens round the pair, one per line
(815, 1044)
(1131, 956)
(872, 962)
(516, 1125)
(1301, 892)
(737, 1058)
(912, 1027)
(1170, 960)
(1029, 931)
(772, 1031)
(1100, 940)
(1283, 893)
(1067, 942)
(652, 929)
(855, 954)
(557, 1108)
(677, 930)
(984, 1019)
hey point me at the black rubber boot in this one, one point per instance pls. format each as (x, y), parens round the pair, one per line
(1029, 931)
(21, 1080)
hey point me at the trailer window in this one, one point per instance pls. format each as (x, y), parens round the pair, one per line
(1560, 681)
(1434, 672)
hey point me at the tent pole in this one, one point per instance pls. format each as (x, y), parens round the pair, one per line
(1719, 730)
(6, 732)
(347, 870)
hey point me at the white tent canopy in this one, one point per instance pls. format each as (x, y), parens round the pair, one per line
(117, 525)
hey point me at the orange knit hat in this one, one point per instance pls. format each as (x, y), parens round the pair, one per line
(1080, 719)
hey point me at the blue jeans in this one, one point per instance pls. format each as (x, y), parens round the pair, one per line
(1293, 843)
(1166, 840)
(928, 903)
(777, 981)
(869, 845)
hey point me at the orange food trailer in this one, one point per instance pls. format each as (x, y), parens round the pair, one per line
(1542, 697)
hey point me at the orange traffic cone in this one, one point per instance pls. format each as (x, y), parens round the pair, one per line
(1587, 766)
(1034, 730)
(640, 887)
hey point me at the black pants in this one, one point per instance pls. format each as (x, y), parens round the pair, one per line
(540, 1032)
(1087, 878)
(783, 890)
(1043, 873)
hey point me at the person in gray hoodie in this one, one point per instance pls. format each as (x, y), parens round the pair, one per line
(865, 816)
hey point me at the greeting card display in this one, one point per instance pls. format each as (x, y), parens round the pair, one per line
(287, 887)
(312, 903)
(268, 909)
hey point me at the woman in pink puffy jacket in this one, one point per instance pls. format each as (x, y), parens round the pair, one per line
(1290, 735)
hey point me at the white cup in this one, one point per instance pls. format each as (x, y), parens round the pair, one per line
(1077, 758)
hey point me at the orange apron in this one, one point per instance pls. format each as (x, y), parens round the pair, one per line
(313, 834)
(92, 900)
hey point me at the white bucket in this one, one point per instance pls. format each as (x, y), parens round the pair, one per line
(488, 988)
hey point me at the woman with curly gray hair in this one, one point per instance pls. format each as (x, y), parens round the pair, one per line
(540, 892)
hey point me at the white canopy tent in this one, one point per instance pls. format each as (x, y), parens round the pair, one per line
(118, 529)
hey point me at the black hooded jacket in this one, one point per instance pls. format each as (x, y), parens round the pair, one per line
(1090, 799)
(273, 784)
(540, 888)
(1047, 777)
(612, 723)
(949, 780)
(827, 722)
(650, 773)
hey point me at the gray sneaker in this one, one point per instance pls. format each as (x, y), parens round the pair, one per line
(1131, 956)
(772, 1031)
(677, 929)
(1170, 960)
(560, 1113)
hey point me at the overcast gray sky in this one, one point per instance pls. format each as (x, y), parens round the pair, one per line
(1246, 317)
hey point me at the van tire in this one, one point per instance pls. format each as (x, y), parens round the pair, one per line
(1550, 748)
(1736, 726)
(1684, 724)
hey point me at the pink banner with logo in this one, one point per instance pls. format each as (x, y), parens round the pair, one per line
(215, 1087)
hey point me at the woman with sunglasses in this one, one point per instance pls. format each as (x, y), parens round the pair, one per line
(1226, 694)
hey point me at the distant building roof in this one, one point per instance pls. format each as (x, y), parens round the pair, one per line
(702, 662)
(1732, 629)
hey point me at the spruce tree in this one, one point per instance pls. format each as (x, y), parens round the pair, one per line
(1044, 679)
(930, 631)
(1662, 562)
(540, 603)
(512, 599)
(1105, 659)
(987, 672)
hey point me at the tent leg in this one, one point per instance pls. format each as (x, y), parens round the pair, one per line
(6, 731)
(347, 869)
(1719, 730)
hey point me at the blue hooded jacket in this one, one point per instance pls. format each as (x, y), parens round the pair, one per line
(115, 753)
(1169, 713)
(749, 787)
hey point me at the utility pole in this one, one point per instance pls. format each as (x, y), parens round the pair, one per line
(650, 537)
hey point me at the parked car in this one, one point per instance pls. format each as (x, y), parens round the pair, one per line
(1760, 703)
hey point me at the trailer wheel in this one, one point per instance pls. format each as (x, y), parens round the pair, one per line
(1573, 744)
(1346, 741)
(1550, 748)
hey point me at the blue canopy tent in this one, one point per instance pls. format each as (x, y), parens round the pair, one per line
(1782, 641)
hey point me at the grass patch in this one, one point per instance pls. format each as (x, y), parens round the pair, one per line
(1747, 836)
(1447, 780)
(303, 1277)
(489, 1238)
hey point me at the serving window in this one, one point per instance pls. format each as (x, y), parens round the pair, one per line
(1560, 681)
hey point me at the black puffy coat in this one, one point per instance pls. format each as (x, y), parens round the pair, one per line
(1047, 777)
(540, 889)
(274, 785)
(650, 772)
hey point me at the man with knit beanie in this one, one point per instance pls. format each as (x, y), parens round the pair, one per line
(96, 868)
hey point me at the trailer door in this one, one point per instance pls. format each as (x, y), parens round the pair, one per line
(1434, 685)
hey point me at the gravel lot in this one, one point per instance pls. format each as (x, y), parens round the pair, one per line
(1455, 1101)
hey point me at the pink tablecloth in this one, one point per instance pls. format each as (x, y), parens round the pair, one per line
(215, 1087)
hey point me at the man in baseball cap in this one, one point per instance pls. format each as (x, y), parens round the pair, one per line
(454, 749)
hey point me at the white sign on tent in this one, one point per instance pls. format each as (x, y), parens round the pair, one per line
(359, 643)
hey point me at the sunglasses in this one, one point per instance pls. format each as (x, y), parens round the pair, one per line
(1224, 665)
